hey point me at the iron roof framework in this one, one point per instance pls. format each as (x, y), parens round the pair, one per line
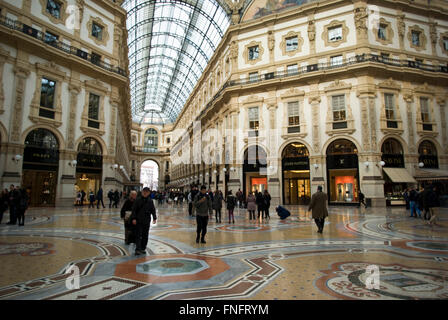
(170, 44)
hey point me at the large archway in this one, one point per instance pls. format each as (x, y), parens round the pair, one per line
(254, 170)
(40, 167)
(296, 174)
(342, 172)
(149, 174)
(90, 165)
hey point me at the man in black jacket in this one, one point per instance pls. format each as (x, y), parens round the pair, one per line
(142, 211)
(126, 210)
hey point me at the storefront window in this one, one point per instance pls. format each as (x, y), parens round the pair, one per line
(342, 170)
(428, 155)
(296, 174)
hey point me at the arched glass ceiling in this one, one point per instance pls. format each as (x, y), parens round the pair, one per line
(170, 44)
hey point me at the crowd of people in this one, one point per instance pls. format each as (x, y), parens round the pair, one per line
(423, 203)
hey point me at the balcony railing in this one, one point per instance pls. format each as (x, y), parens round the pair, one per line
(147, 149)
(39, 35)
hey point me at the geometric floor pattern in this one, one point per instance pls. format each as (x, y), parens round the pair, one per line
(373, 254)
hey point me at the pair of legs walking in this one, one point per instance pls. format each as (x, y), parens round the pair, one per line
(251, 214)
(201, 229)
(142, 235)
(231, 217)
(320, 222)
(415, 209)
(218, 215)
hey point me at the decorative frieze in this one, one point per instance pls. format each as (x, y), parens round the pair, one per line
(22, 74)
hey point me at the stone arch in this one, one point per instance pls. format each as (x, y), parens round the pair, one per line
(434, 141)
(152, 159)
(403, 143)
(54, 131)
(288, 142)
(97, 138)
(252, 144)
(341, 137)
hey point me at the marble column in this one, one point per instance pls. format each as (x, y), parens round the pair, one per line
(441, 101)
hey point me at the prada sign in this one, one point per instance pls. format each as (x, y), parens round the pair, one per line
(393, 160)
(40, 155)
(89, 160)
(429, 161)
(299, 163)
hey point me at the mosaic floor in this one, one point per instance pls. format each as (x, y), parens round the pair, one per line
(263, 260)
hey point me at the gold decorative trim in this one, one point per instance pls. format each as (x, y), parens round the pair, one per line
(54, 20)
(334, 24)
(423, 39)
(389, 32)
(443, 35)
(246, 52)
(105, 34)
(299, 45)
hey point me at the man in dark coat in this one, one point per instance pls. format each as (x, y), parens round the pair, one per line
(260, 204)
(116, 199)
(125, 213)
(110, 195)
(83, 196)
(319, 206)
(99, 198)
(14, 198)
(142, 211)
(267, 203)
(203, 205)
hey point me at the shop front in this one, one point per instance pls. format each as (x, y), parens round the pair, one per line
(89, 167)
(40, 167)
(429, 172)
(396, 177)
(342, 173)
(254, 170)
(296, 175)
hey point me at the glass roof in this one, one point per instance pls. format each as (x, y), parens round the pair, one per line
(170, 44)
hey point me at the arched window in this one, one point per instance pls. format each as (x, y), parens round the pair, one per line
(427, 148)
(295, 150)
(151, 140)
(391, 146)
(342, 146)
(428, 154)
(41, 138)
(90, 146)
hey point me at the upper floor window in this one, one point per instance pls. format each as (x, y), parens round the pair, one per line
(94, 106)
(382, 31)
(168, 140)
(335, 34)
(54, 8)
(51, 38)
(253, 76)
(97, 31)
(445, 43)
(424, 109)
(292, 43)
(47, 93)
(390, 107)
(151, 140)
(292, 69)
(336, 61)
(293, 114)
(253, 118)
(338, 105)
(416, 38)
(253, 52)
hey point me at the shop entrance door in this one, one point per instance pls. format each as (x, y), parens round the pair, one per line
(297, 191)
(42, 187)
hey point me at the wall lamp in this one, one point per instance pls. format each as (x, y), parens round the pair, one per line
(367, 164)
(316, 166)
(73, 163)
(17, 158)
(115, 166)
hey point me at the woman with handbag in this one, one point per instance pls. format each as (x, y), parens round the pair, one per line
(231, 203)
(251, 205)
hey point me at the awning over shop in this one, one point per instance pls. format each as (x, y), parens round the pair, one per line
(431, 174)
(399, 175)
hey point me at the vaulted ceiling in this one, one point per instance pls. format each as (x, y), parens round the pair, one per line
(170, 44)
